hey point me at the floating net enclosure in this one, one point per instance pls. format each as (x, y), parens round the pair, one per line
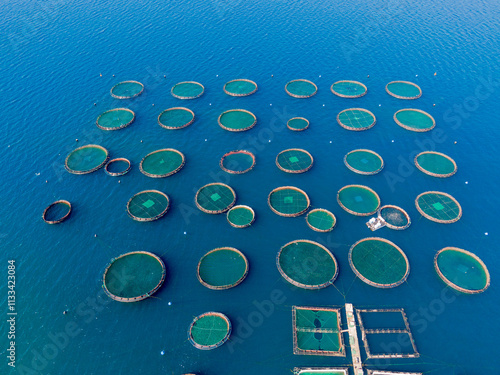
(349, 89)
(240, 87)
(288, 201)
(379, 262)
(86, 159)
(395, 217)
(237, 120)
(321, 220)
(403, 90)
(215, 198)
(162, 163)
(237, 162)
(364, 162)
(294, 160)
(414, 120)
(209, 330)
(435, 164)
(222, 268)
(187, 90)
(115, 119)
(358, 200)
(301, 88)
(127, 90)
(148, 205)
(297, 124)
(117, 167)
(307, 264)
(384, 372)
(145, 275)
(241, 216)
(356, 119)
(462, 270)
(439, 207)
(176, 118)
(320, 371)
(57, 212)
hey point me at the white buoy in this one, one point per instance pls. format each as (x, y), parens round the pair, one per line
(320, 76)
(392, 141)
(323, 105)
(485, 233)
(205, 139)
(380, 105)
(330, 141)
(170, 303)
(269, 141)
(271, 104)
(216, 75)
(416, 75)
(210, 104)
(162, 352)
(466, 182)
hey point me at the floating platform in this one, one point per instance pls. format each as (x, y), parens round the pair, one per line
(320, 371)
(353, 340)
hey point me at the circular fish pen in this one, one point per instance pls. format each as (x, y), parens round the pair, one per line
(146, 274)
(414, 120)
(294, 160)
(237, 162)
(240, 87)
(115, 119)
(176, 118)
(435, 164)
(237, 120)
(439, 207)
(395, 217)
(321, 220)
(187, 90)
(127, 90)
(241, 216)
(349, 89)
(403, 90)
(162, 163)
(297, 124)
(86, 159)
(364, 162)
(288, 201)
(117, 167)
(57, 212)
(222, 268)
(215, 198)
(307, 264)
(301, 88)
(209, 330)
(358, 200)
(462, 270)
(379, 262)
(148, 205)
(356, 119)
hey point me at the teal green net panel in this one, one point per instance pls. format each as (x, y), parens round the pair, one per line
(187, 90)
(294, 160)
(320, 371)
(403, 90)
(301, 88)
(364, 162)
(241, 216)
(395, 217)
(57, 212)
(133, 276)
(117, 167)
(115, 119)
(379, 262)
(86, 159)
(176, 118)
(127, 90)
(237, 120)
(435, 164)
(321, 220)
(237, 162)
(209, 330)
(222, 268)
(307, 264)
(240, 87)
(288, 201)
(348, 89)
(358, 200)
(298, 124)
(414, 120)
(439, 207)
(215, 198)
(462, 270)
(148, 205)
(162, 163)
(356, 119)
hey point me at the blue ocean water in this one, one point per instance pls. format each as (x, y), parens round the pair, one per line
(53, 55)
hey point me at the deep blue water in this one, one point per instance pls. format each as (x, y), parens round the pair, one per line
(53, 53)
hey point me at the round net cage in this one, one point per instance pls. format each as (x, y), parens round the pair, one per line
(115, 119)
(364, 162)
(379, 262)
(148, 205)
(414, 120)
(439, 207)
(301, 88)
(237, 162)
(294, 160)
(288, 201)
(176, 118)
(356, 119)
(321, 220)
(145, 275)
(215, 198)
(395, 217)
(222, 268)
(349, 89)
(127, 90)
(435, 164)
(462, 270)
(241, 216)
(57, 212)
(307, 264)
(209, 330)
(358, 200)
(403, 90)
(240, 87)
(86, 159)
(237, 120)
(297, 124)
(117, 167)
(162, 163)
(187, 90)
